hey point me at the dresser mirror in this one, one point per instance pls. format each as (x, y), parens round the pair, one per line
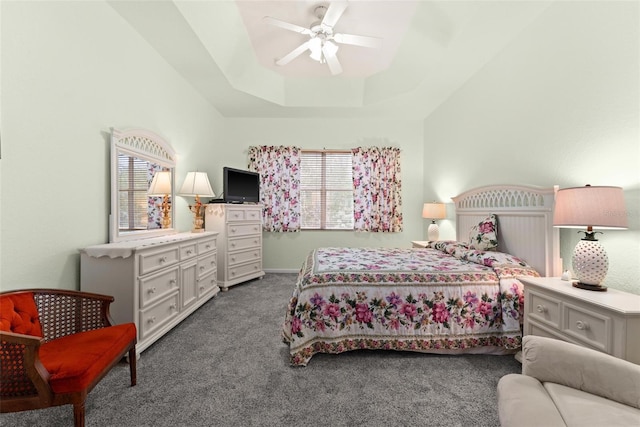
(136, 157)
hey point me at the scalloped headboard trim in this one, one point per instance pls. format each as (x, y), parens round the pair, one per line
(525, 222)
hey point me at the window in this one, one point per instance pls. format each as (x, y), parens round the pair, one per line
(133, 182)
(326, 190)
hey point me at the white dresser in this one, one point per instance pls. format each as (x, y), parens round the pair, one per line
(156, 282)
(239, 228)
(605, 321)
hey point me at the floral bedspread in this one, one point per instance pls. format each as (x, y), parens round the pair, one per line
(443, 298)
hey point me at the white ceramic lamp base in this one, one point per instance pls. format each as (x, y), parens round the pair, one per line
(590, 264)
(433, 232)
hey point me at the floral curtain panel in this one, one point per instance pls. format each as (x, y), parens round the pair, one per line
(279, 169)
(377, 189)
(154, 211)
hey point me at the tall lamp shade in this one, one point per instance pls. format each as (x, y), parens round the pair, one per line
(197, 184)
(161, 186)
(592, 208)
(434, 211)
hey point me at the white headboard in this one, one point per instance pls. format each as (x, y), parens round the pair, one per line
(525, 222)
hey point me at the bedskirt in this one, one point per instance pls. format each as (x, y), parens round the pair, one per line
(444, 299)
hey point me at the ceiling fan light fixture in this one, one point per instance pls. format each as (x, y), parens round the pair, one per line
(315, 46)
(329, 48)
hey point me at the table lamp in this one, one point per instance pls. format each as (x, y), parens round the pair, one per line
(197, 184)
(161, 187)
(590, 207)
(434, 211)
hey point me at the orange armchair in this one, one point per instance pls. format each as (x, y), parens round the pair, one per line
(56, 345)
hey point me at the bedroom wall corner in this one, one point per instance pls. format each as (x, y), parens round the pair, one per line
(70, 72)
(559, 105)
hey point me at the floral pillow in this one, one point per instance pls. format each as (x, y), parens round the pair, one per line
(484, 236)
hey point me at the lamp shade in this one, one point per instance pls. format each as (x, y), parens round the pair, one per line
(196, 184)
(160, 184)
(434, 210)
(596, 207)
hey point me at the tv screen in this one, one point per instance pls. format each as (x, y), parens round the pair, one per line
(241, 186)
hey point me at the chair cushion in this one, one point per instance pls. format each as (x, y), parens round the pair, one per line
(19, 314)
(74, 361)
(580, 408)
(524, 402)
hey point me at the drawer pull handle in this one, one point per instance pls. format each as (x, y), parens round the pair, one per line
(233, 245)
(202, 268)
(583, 326)
(163, 259)
(152, 290)
(208, 246)
(172, 307)
(541, 308)
(233, 258)
(151, 319)
(201, 288)
(189, 251)
(172, 282)
(212, 263)
(233, 230)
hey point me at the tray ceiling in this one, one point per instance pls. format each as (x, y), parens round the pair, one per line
(226, 52)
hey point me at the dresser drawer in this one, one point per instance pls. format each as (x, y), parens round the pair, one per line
(241, 257)
(158, 315)
(543, 308)
(154, 287)
(244, 269)
(587, 326)
(239, 213)
(236, 214)
(154, 261)
(242, 229)
(205, 246)
(206, 264)
(207, 284)
(245, 243)
(188, 251)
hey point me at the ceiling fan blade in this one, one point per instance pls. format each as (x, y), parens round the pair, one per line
(365, 41)
(287, 25)
(293, 54)
(334, 12)
(332, 61)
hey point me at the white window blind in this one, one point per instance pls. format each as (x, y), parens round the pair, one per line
(326, 190)
(133, 183)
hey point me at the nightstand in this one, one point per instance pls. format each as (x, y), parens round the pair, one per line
(605, 321)
(419, 243)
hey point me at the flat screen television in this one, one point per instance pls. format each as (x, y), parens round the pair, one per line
(240, 186)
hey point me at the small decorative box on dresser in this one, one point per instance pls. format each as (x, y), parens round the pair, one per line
(605, 321)
(156, 282)
(239, 241)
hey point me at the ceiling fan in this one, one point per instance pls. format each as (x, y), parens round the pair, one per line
(322, 40)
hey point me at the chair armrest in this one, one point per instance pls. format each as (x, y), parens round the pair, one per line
(551, 360)
(23, 374)
(66, 312)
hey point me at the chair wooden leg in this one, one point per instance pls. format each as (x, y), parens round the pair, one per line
(132, 366)
(78, 414)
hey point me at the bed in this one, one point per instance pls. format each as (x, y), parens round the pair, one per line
(451, 297)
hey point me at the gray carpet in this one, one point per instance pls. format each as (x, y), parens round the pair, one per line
(227, 366)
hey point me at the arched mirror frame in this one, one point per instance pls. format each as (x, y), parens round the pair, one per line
(147, 146)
